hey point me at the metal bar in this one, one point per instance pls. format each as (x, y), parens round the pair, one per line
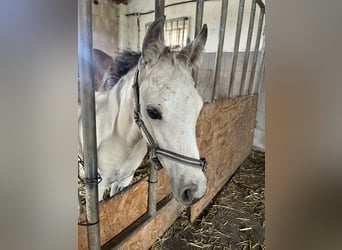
(159, 11)
(248, 47)
(152, 190)
(236, 47)
(183, 44)
(198, 26)
(261, 4)
(261, 69)
(224, 10)
(87, 96)
(199, 16)
(138, 26)
(153, 178)
(256, 51)
(177, 33)
(171, 34)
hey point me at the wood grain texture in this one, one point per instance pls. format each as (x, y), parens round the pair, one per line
(154, 228)
(224, 135)
(124, 208)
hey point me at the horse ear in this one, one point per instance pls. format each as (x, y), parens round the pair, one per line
(191, 54)
(153, 43)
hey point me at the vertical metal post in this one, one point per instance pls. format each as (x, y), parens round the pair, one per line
(224, 10)
(138, 24)
(198, 26)
(153, 179)
(183, 44)
(177, 33)
(85, 57)
(261, 69)
(256, 50)
(236, 47)
(199, 16)
(248, 47)
(159, 11)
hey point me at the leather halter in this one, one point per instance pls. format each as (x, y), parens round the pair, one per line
(156, 151)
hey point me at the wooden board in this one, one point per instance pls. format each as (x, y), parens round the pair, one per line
(154, 228)
(123, 209)
(225, 132)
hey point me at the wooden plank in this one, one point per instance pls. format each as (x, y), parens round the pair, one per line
(154, 227)
(224, 135)
(123, 209)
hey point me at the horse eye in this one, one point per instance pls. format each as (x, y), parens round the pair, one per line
(154, 113)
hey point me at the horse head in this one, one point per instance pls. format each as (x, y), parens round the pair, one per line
(170, 106)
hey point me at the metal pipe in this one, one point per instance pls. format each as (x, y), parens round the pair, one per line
(138, 26)
(153, 179)
(159, 12)
(152, 190)
(224, 10)
(256, 50)
(248, 47)
(177, 33)
(236, 47)
(183, 44)
(261, 69)
(87, 96)
(198, 26)
(261, 4)
(199, 16)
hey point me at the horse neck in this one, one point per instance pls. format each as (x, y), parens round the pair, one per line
(124, 125)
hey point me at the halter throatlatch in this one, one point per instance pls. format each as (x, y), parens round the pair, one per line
(155, 151)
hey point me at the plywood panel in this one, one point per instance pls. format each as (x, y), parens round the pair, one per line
(154, 228)
(123, 209)
(224, 135)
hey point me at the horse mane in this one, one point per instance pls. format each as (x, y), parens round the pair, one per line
(127, 60)
(123, 63)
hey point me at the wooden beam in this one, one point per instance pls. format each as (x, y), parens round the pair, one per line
(154, 227)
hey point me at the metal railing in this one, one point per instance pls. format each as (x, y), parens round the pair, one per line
(251, 82)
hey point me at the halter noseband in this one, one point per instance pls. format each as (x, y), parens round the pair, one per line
(155, 151)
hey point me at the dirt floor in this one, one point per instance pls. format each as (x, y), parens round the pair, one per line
(235, 219)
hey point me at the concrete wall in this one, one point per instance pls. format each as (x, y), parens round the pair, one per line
(105, 26)
(211, 16)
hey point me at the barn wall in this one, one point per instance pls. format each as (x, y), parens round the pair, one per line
(105, 26)
(211, 16)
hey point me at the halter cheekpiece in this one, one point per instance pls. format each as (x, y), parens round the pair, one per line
(155, 151)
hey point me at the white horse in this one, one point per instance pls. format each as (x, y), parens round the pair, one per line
(170, 106)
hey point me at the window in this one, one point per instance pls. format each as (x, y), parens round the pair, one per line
(175, 32)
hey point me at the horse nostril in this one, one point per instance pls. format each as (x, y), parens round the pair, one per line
(187, 195)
